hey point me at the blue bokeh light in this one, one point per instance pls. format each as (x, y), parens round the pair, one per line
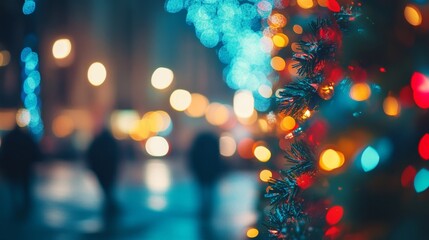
(30, 101)
(228, 24)
(209, 38)
(370, 159)
(174, 6)
(32, 84)
(206, 12)
(31, 61)
(227, 11)
(262, 104)
(31, 89)
(29, 7)
(35, 76)
(421, 180)
(27, 87)
(38, 130)
(224, 55)
(248, 11)
(33, 112)
(25, 52)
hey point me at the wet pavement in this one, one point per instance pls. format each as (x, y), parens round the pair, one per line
(158, 199)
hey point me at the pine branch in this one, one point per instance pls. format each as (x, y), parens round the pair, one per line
(299, 152)
(296, 98)
(285, 189)
(282, 190)
(283, 224)
(316, 48)
(286, 218)
(312, 56)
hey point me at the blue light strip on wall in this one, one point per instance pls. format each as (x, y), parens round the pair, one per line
(31, 79)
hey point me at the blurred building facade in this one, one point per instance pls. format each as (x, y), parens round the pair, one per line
(130, 38)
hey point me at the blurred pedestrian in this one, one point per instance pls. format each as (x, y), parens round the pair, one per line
(18, 153)
(103, 160)
(207, 167)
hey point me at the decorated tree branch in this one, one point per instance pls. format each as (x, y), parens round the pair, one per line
(316, 64)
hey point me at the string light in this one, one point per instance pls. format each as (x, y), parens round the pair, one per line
(243, 104)
(157, 146)
(198, 105)
(31, 89)
(305, 4)
(245, 148)
(29, 7)
(420, 88)
(333, 5)
(31, 80)
(180, 99)
(252, 233)
(421, 180)
(322, 3)
(287, 123)
(331, 159)
(370, 159)
(265, 175)
(391, 106)
(97, 74)
(262, 153)
(332, 232)
(407, 176)
(4, 58)
(424, 147)
(360, 92)
(278, 63)
(306, 114)
(297, 29)
(334, 215)
(217, 114)
(227, 145)
(61, 48)
(162, 78)
(217, 23)
(22, 117)
(280, 40)
(413, 15)
(277, 20)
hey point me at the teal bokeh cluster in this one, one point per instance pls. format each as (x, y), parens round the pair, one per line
(234, 28)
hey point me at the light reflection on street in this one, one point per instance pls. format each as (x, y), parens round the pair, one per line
(162, 199)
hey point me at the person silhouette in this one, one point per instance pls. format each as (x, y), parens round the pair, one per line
(103, 161)
(207, 167)
(18, 153)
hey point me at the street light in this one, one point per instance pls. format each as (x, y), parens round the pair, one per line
(97, 74)
(61, 48)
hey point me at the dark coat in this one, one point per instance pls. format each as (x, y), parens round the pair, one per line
(18, 153)
(205, 161)
(103, 157)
